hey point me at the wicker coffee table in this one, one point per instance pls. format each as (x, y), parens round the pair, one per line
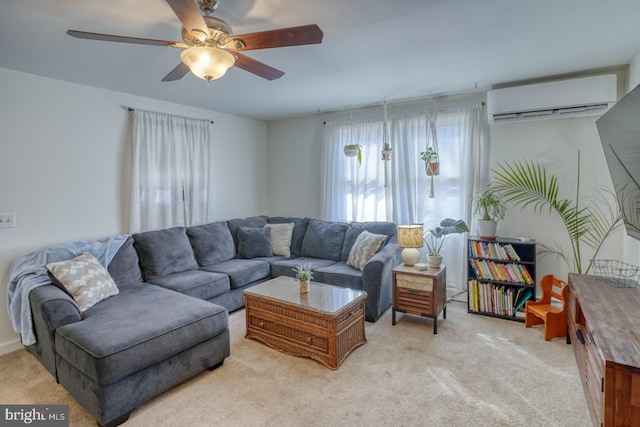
(325, 324)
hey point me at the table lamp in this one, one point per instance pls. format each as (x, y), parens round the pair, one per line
(410, 238)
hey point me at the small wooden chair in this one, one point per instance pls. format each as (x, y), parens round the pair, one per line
(543, 311)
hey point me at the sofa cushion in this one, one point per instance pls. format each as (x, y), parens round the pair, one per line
(211, 243)
(241, 272)
(339, 274)
(355, 228)
(299, 230)
(285, 267)
(324, 239)
(164, 252)
(252, 222)
(135, 329)
(254, 242)
(85, 279)
(365, 247)
(124, 268)
(281, 235)
(195, 283)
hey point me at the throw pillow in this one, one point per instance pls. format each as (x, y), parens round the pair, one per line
(85, 279)
(281, 235)
(364, 248)
(164, 252)
(254, 242)
(324, 239)
(212, 243)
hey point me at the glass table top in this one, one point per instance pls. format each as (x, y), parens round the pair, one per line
(321, 297)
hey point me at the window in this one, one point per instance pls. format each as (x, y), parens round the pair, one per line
(398, 190)
(170, 171)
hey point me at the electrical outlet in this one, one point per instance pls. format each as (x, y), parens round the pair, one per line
(7, 220)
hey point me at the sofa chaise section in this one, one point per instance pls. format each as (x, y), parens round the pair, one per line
(136, 345)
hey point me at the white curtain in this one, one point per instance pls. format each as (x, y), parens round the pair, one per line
(360, 187)
(170, 171)
(361, 193)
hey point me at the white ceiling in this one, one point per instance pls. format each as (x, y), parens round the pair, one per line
(372, 49)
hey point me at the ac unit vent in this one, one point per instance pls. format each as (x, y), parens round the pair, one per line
(588, 96)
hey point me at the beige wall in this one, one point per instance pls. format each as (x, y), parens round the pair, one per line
(65, 165)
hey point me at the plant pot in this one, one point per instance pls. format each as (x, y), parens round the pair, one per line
(304, 286)
(434, 261)
(433, 168)
(350, 152)
(386, 155)
(487, 229)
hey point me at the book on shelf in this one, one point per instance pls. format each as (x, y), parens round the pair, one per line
(522, 297)
(493, 250)
(499, 271)
(495, 299)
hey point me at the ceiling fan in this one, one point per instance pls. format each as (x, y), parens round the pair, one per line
(210, 48)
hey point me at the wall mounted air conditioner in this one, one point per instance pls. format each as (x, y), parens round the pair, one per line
(587, 96)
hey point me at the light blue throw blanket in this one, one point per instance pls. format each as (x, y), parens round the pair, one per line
(29, 271)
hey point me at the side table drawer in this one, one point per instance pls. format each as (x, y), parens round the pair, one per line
(414, 282)
(414, 301)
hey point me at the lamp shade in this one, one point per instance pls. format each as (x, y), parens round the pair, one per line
(208, 63)
(410, 237)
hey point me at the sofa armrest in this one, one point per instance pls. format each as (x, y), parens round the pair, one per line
(51, 308)
(376, 280)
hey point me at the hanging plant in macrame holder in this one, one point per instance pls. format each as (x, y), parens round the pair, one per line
(431, 156)
(386, 141)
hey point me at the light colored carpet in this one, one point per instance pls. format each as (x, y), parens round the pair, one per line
(476, 371)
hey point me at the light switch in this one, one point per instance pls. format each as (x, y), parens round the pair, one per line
(7, 220)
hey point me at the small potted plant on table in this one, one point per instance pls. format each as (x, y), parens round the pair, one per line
(434, 238)
(304, 275)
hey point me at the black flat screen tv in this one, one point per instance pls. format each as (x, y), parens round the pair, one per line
(619, 130)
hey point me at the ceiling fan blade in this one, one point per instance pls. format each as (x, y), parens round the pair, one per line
(177, 73)
(257, 67)
(292, 36)
(189, 14)
(121, 39)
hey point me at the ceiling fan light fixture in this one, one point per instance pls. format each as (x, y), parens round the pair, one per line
(208, 63)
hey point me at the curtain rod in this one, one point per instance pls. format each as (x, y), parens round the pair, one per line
(423, 112)
(182, 117)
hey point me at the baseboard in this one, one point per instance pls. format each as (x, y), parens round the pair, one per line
(10, 346)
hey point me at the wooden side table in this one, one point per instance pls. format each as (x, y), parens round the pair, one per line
(419, 292)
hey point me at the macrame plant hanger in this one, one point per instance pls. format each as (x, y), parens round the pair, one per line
(386, 145)
(433, 163)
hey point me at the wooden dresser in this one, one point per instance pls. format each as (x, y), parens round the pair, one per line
(604, 329)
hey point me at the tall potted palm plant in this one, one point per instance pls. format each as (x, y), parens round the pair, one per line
(527, 184)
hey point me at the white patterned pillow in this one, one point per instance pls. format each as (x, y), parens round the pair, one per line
(364, 248)
(85, 279)
(281, 235)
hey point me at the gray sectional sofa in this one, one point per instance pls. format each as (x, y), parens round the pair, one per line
(169, 320)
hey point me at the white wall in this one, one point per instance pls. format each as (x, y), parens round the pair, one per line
(555, 145)
(65, 158)
(294, 166)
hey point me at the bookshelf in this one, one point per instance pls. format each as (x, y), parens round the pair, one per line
(501, 277)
